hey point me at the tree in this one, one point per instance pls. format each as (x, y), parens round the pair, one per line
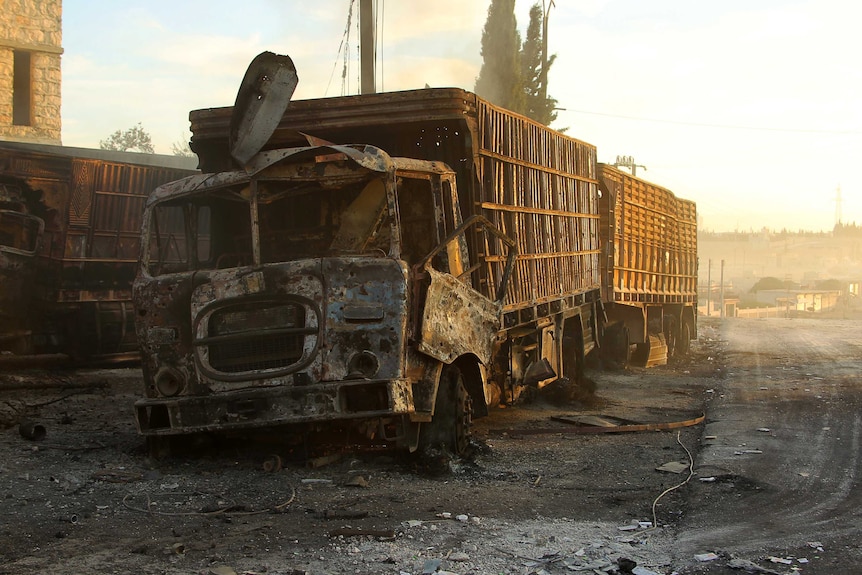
(181, 148)
(831, 284)
(771, 283)
(135, 139)
(500, 80)
(538, 106)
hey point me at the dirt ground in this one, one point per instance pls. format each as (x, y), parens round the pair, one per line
(768, 482)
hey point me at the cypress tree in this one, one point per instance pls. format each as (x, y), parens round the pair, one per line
(536, 106)
(500, 80)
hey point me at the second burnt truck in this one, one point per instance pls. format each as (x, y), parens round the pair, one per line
(389, 266)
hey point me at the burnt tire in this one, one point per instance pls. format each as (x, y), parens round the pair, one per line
(671, 336)
(618, 348)
(683, 344)
(641, 353)
(449, 428)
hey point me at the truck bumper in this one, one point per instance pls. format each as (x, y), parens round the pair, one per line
(264, 407)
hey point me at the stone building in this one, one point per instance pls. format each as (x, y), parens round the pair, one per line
(30, 50)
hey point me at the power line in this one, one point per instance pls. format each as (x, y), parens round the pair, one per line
(345, 39)
(719, 126)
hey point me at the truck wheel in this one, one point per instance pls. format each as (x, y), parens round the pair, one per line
(449, 429)
(683, 344)
(641, 354)
(671, 336)
(622, 347)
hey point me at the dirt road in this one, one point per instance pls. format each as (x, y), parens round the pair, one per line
(783, 444)
(775, 468)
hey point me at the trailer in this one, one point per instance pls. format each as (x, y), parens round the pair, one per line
(85, 206)
(649, 266)
(389, 265)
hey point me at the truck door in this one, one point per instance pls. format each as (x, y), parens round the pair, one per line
(456, 319)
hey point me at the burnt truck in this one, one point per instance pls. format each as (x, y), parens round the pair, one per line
(389, 265)
(70, 225)
(649, 269)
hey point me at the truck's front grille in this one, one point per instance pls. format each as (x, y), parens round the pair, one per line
(256, 352)
(260, 335)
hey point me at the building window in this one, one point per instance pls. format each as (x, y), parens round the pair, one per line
(21, 90)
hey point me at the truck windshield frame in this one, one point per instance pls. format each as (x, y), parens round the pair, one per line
(19, 232)
(278, 215)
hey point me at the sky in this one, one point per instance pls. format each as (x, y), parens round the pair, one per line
(751, 109)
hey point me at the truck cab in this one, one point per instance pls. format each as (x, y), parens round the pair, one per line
(320, 285)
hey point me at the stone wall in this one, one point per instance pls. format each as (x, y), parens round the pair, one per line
(34, 26)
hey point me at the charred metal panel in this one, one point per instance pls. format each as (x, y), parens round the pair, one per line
(241, 409)
(457, 320)
(263, 96)
(349, 308)
(366, 313)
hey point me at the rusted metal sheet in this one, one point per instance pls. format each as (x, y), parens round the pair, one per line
(263, 96)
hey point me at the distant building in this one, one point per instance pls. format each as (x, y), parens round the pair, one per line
(30, 49)
(800, 300)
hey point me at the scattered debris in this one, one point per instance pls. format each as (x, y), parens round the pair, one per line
(704, 557)
(273, 464)
(343, 514)
(673, 467)
(356, 481)
(324, 460)
(351, 532)
(626, 565)
(750, 567)
(32, 430)
(459, 556)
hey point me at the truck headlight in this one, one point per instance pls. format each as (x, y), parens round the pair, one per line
(362, 365)
(169, 382)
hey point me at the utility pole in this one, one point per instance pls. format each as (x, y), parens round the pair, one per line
(838, 206)
(368, 47)
(628, 162)
(546, 10)
(708, 288)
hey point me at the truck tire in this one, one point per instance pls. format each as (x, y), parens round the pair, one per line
(619, 348)
(671, 336)
(683, 344)
(449, 428)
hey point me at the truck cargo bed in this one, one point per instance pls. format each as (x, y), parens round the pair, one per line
(650, 243)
